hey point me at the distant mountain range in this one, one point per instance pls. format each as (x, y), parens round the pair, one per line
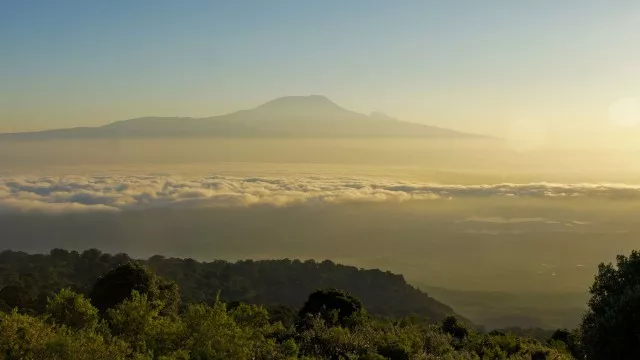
(290, 116)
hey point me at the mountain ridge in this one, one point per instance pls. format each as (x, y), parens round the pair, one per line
(288, 116)
(274, 283)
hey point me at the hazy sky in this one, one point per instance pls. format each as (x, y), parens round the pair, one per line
(547, 66)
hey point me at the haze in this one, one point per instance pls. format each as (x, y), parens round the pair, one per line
(478, 148)
(478, 67)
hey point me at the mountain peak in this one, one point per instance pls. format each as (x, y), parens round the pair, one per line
(310, 102)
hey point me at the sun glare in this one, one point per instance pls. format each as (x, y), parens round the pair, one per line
(625, 112)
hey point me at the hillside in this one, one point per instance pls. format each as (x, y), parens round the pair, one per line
(132, 313)
(273, 283)
(291, 116)
(89, 305)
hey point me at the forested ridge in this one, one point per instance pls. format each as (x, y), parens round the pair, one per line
(274, 283)
(69, 305)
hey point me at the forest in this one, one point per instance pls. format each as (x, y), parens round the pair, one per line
(90, 305)
(273, 283)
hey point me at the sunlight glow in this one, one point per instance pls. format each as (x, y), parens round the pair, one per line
(625, 112)
(526, 135)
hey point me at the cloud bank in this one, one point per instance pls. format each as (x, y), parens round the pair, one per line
(117, 193)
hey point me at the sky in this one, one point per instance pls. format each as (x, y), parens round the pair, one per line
(536, 69)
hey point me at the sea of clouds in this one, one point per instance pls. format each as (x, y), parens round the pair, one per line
(117, 193)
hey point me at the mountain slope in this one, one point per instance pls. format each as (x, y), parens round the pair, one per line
(269, 282)
(291, 116)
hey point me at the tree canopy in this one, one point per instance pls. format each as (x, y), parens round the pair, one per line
(611, 328)
(278, 284)
(333, 306)
(118, 284)
(133, 323)
(134, 313)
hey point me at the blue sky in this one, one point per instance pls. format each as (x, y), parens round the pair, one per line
(470, 65)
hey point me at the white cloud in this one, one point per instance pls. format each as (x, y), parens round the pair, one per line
(502, 220)
(114, 193)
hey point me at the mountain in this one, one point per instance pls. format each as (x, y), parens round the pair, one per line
(290, 116)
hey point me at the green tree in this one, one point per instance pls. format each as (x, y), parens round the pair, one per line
(567, 340)
(455, 328)
(336, 307)
(147, 325)
(213, 334)
(318, 340)
(611, 328)
(263, 335)
(73, 310)
(21, 293)
(16, 296)
(27, 337)
(395, 351)
(119, 283)
(137, 320)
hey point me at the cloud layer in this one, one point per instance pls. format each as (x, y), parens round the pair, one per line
(116, 193)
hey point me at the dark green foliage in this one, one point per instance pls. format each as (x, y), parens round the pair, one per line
(38, 277)
(539, 355)
(117, 285)
(394, 351)
(288, 282)
(73, 310)
(283, 314)
(27, 337)
(453, 327)
(273, 283)
(138, 327)
(372, 356)
(535, 333)
(21, 292)
(169, 294)
(567, 340)
(335, 307)
(611, 327)
(562, 335)
(17, 296)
